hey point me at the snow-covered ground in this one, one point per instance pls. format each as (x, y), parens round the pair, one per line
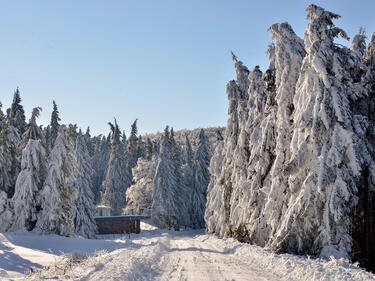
(162, 255)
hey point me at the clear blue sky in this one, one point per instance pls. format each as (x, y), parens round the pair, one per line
(163, 62)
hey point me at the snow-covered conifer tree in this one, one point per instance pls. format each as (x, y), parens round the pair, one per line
(2, 116)
(54, 125)
(288, 55)
(47, 137)
(363, 249)
(6, 178)
(156, 147)
(99, 163)
(295, 169)
(124, 140)
(218, 211)
(188, 178)
(324, 162)
(141, 148)
(6, 211)
(9, 163)
(89, 144)
(132, 146)
(182, 191)
(201, 178)
(83, 218)
(59, 193)
(149, 149)
(167, 204)
(189, 155)
(118, 178)
(27, 197)
(139, 194)
(16, 114)
(32, 130)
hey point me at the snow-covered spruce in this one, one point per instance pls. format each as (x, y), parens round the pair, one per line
(188, 174)
(200, 180)
(99, 164)
(118, 178)
(83, 217)
(54, 126)
(6, 212)
(139, 194)
(89, 143)
(168, 204)
(59, 193)
(9, 158)
(218, 208)
(326, 144)
(297, 152)
(16, 114)
(149, 149)
(364, 108)
(32, 131)
(27, 198)
(181, 190)
(133, 149)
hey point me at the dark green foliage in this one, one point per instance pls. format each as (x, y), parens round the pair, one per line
(132, 150)
(16, 114)
(33, 132)
(9, 162)
(2, 116)
(54, 125)
(89, 143)
(149, 149)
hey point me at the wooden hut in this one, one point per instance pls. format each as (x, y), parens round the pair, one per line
(119, 224)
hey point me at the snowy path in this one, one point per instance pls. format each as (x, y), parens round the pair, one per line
(173, 256)
(167, 255)
(190, 258)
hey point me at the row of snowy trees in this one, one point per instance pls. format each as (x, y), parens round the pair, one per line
(115, 156)
(51, 178)
(44, 186)
(296, 171)
(170, 185)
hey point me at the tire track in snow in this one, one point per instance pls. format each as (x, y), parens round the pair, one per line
(191, 259)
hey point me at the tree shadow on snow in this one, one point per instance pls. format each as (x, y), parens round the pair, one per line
(195, 249)
(57, 245)
(10, 261)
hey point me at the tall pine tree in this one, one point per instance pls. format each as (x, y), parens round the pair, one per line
(118, 178)
(10, 166)
(201, 178)
(83, 217)
(27, 197)
(16, 114)
(133, 146)
(167, 201)
(54, 125)
(2, 116)
(59, 193)
(99, 163)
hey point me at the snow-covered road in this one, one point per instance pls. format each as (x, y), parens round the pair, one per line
(166, 255)
(198, 258)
